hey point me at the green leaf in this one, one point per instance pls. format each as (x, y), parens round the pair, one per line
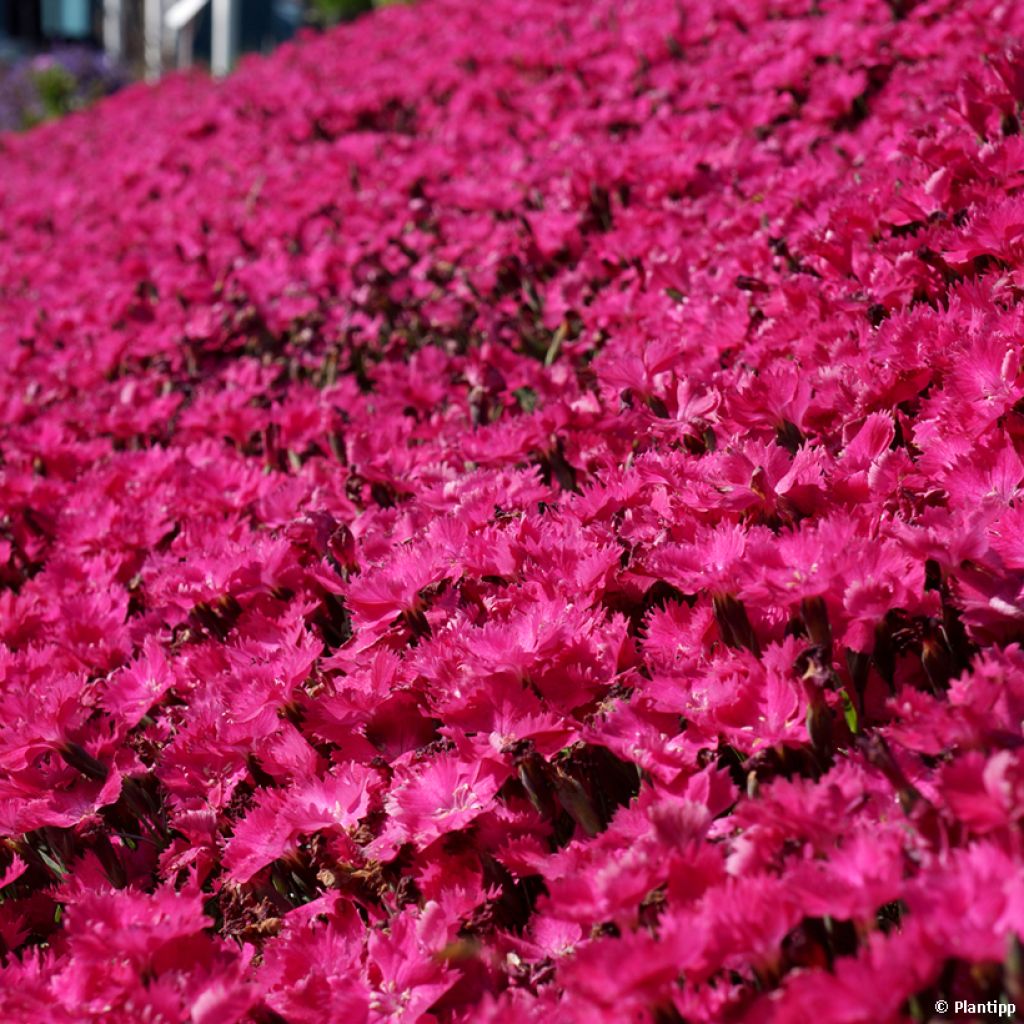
(527, 398)
(556, 344)
(850, 712)
(59, 870)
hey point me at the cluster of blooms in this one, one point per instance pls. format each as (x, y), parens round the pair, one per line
(510, 514)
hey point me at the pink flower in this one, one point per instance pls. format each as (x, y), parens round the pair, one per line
(430, 800)
(272, 829)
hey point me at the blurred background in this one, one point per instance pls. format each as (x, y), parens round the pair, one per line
(60, 55)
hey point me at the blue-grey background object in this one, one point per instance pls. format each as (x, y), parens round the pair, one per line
(67, 19)
(28, 25)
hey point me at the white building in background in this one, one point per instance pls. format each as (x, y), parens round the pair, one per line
(151, 35)
(168, 29)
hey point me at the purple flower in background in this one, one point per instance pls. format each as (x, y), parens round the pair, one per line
(48, 85)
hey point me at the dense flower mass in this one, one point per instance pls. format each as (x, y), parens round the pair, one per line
(511, 514)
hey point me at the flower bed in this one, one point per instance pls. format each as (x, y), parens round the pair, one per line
(512, 516)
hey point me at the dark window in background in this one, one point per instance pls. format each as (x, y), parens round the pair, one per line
(22, 20)
(262, 25)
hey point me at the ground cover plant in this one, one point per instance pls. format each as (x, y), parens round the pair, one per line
(512, 516)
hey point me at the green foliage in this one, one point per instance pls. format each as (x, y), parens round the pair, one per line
(331, 12)
(56, 87)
